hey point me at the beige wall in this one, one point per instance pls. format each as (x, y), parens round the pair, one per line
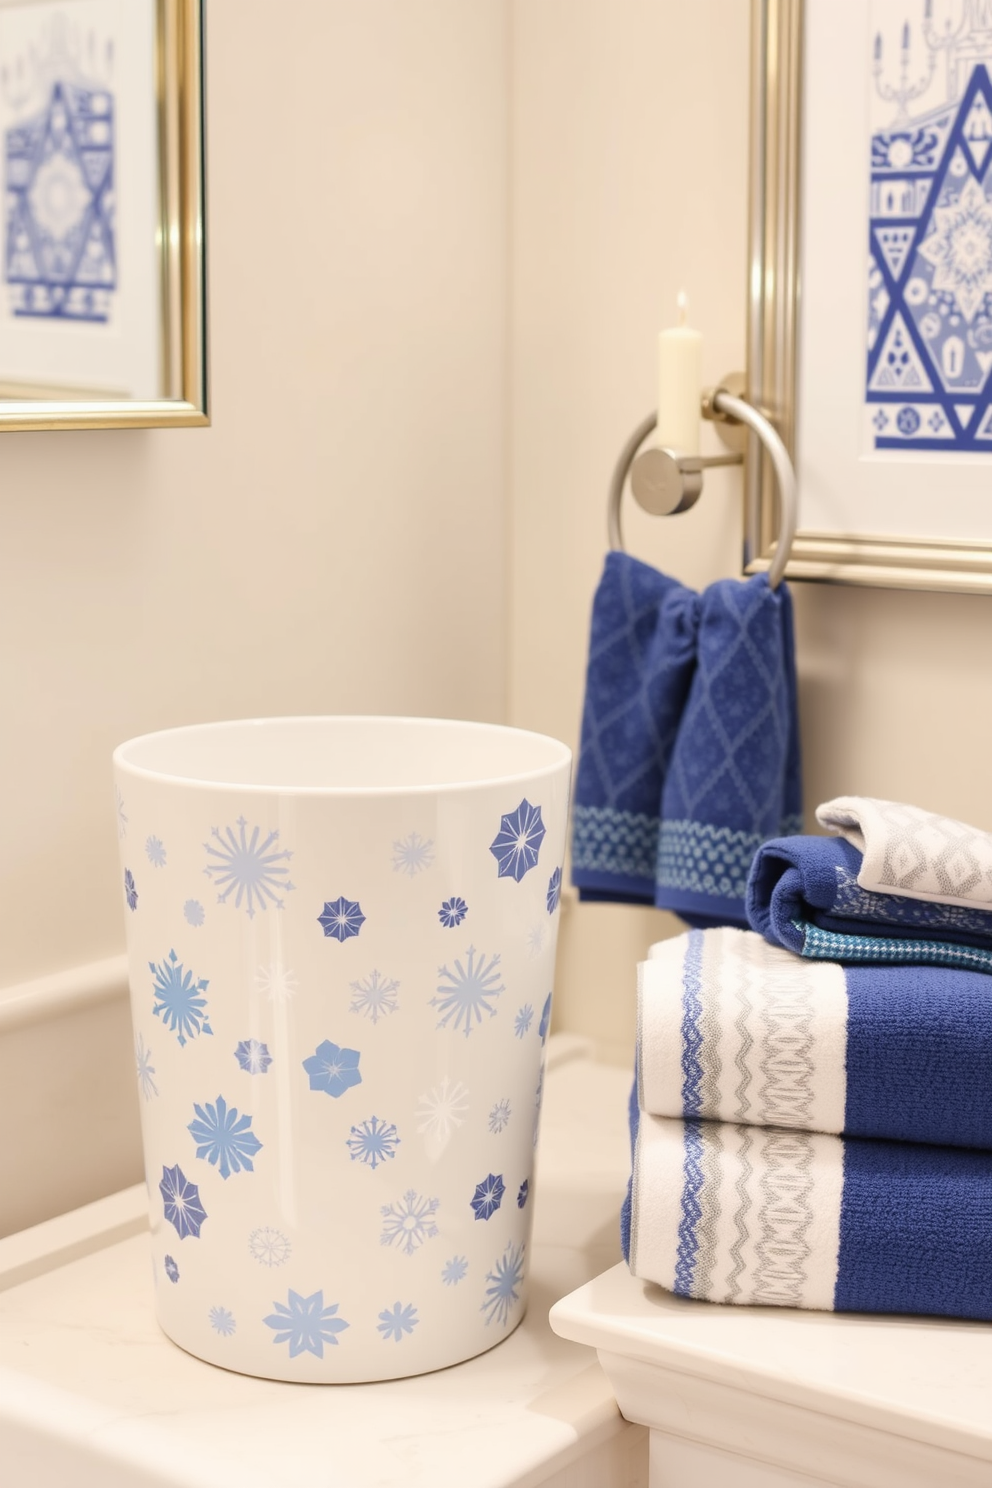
(334, 541)
(629, 171)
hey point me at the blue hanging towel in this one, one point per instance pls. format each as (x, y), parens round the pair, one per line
(804, 894)
(689, 757)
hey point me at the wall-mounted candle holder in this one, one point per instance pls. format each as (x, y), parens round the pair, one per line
(666, 481)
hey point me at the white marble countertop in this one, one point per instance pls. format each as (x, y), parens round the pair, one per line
(925, 1380)
(92, 1393)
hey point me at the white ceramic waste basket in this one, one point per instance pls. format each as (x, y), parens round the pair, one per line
(341, 939)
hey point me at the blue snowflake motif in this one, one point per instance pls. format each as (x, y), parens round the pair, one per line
(468, 990)
(178, 1000)
(413, 855)
(341, 918)
(130, 892)
(505, 1277)
(305, 1324)
(554, 891)
(374, 996)
(522, 1193)
(518, 841)
(222, 1321)
(409, 1222)
(155, 852)
(144, 1068)
(452, 912)
(248, 866)
(171, 1269)
(182, 1202)
(193, 913)
(545, 1022)
(372, 1142)
(523, 1020)
(224, 1138)
(499, 1117)
(488, 1196)
(397, 1320)
(333, 1069)
(252, 1056)
(454, 1271)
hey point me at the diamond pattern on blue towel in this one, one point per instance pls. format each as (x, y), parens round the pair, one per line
(689, 756)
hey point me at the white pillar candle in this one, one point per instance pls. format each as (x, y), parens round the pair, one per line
(680, 384)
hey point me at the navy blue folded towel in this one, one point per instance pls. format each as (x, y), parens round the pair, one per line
(689, 757)
(803, 893)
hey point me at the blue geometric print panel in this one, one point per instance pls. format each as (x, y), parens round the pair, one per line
(59, 256)
(928, 384)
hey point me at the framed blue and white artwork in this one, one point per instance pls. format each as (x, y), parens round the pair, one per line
(871, 285)
(101, 272)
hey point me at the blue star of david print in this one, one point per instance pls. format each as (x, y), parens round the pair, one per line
(60, 259)
(928, 382)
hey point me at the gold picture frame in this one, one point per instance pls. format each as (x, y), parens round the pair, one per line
(180, 252)
(775, 303)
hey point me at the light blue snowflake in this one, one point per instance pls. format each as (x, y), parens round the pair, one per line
(413, 854)
(333, 1069)
(182, 1202)
(252, 1056)
(397, 1320)
(499, 1117)
(171, 1269)
(468, 991)
(305, 1324)
(224, 1138)
(372, 1142)
(409, 1222)
(122, 817)
(518, 841)
(454, 1271)
(155, 852)
(178, 999)
(452, 912)
(488, 1196)
(193, 913)
(522, 1193)
(144, 1068)
(554, 891)
(505, 1277)
(545, 1022)
(523, 1020)
(374, 996)
(222, 1321)
(130, 892)
(269, 1247)
(341, 918)
(248, 866)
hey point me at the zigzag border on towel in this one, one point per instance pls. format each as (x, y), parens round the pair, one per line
(698, 858)
(692, 1182)
(785, 1215)
(608, 840)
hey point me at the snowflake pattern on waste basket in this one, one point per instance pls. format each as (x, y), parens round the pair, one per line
(518, 841)
(252, 1056)
(397, 1320)
(181, 1199)
(341, 918)
(413, 854)
(179, 999)
(488, 1196)
(374, 996)
(452, 912)
(554, 891)
(463, 995)
(269, 1247)
(505, 1278)
(130, 892)
(333, 1069)
(409, 1222)
(222, 1321)
(454, 1271)
(372, 1142)
(305, 1323)
(250, 867)
(224, 1138)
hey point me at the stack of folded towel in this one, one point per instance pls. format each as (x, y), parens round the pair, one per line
(812, 1118)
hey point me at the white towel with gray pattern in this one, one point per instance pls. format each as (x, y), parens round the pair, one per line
(913, 853)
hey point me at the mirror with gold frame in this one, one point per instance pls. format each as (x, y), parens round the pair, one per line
(102, 313)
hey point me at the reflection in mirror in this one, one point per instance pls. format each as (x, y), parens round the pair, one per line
(101, 301)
